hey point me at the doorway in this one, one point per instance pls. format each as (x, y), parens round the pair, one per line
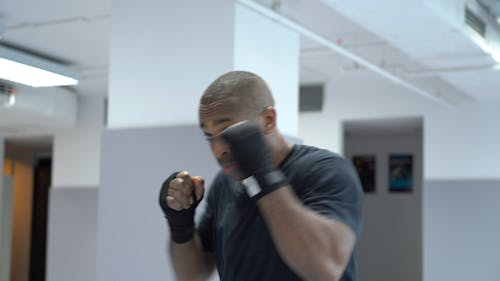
(387, 153)
(28, 179)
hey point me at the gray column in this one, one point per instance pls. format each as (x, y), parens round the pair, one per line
(5, 218)
(163, 56)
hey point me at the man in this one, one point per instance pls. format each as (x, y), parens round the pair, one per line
(276, 211)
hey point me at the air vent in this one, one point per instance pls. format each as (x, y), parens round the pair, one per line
(475, 22)
(311, 98)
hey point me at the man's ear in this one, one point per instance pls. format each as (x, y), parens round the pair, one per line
(268, 117)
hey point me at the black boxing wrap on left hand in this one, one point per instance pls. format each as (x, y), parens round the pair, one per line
(181, 223)
(253, 158)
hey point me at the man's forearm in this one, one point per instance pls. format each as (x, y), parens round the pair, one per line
(315, 247)
(190, 262)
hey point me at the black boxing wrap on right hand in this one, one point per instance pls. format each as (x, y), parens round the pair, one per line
(181, 222)
(250, 152)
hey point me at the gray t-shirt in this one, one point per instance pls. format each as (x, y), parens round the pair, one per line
(234, 231)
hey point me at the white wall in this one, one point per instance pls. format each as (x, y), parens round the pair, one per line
(453, 137)
(357, 96)
(321, 130)
(390, 246)
(463, 142)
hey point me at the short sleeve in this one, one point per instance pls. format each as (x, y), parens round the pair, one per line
(333, 189)
(206, 225)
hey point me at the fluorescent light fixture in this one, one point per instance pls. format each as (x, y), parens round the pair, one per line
(33, 71)
(498, 19)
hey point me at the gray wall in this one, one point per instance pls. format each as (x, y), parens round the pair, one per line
(132, 231)
(462, 230)
(5, 218)
(71, 244)
(390, 246)
(6, 191)
(2, 157)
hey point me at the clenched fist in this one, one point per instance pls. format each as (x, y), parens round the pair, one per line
(252, 155)
(179, 196)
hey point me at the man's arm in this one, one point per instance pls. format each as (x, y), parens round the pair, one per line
(179, 197)
(190, 262)
(316, 247)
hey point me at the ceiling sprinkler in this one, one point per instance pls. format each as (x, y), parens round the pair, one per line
(7, 95)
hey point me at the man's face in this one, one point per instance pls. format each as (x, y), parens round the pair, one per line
(214, 118)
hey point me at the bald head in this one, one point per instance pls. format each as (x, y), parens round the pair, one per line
(235, 97)
(242, 91)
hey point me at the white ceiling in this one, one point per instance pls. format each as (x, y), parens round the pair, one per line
(74, 32)
(429, 38)
(405, 37)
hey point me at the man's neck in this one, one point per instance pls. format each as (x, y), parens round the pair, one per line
(280, 149)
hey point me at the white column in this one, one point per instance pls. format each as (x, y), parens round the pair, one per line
(72, 214)
(162, 61)
(76, 151)
(163, 56)
(76, 158)
(271, 51)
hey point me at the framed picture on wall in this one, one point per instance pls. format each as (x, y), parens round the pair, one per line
(400, 172)
(365, 166)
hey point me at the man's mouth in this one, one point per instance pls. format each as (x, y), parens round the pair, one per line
(229, 168)
(228, 164)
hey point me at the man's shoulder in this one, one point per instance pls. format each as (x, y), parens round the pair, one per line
(223, 186)
(307, 157)
(217, 185)
(317, 165)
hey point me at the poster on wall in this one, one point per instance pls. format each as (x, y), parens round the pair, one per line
(400, 172)
(365, 166)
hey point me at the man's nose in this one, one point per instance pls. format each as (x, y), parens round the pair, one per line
(219, 146)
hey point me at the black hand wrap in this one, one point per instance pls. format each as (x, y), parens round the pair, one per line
(181, 222)
(250, 152)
